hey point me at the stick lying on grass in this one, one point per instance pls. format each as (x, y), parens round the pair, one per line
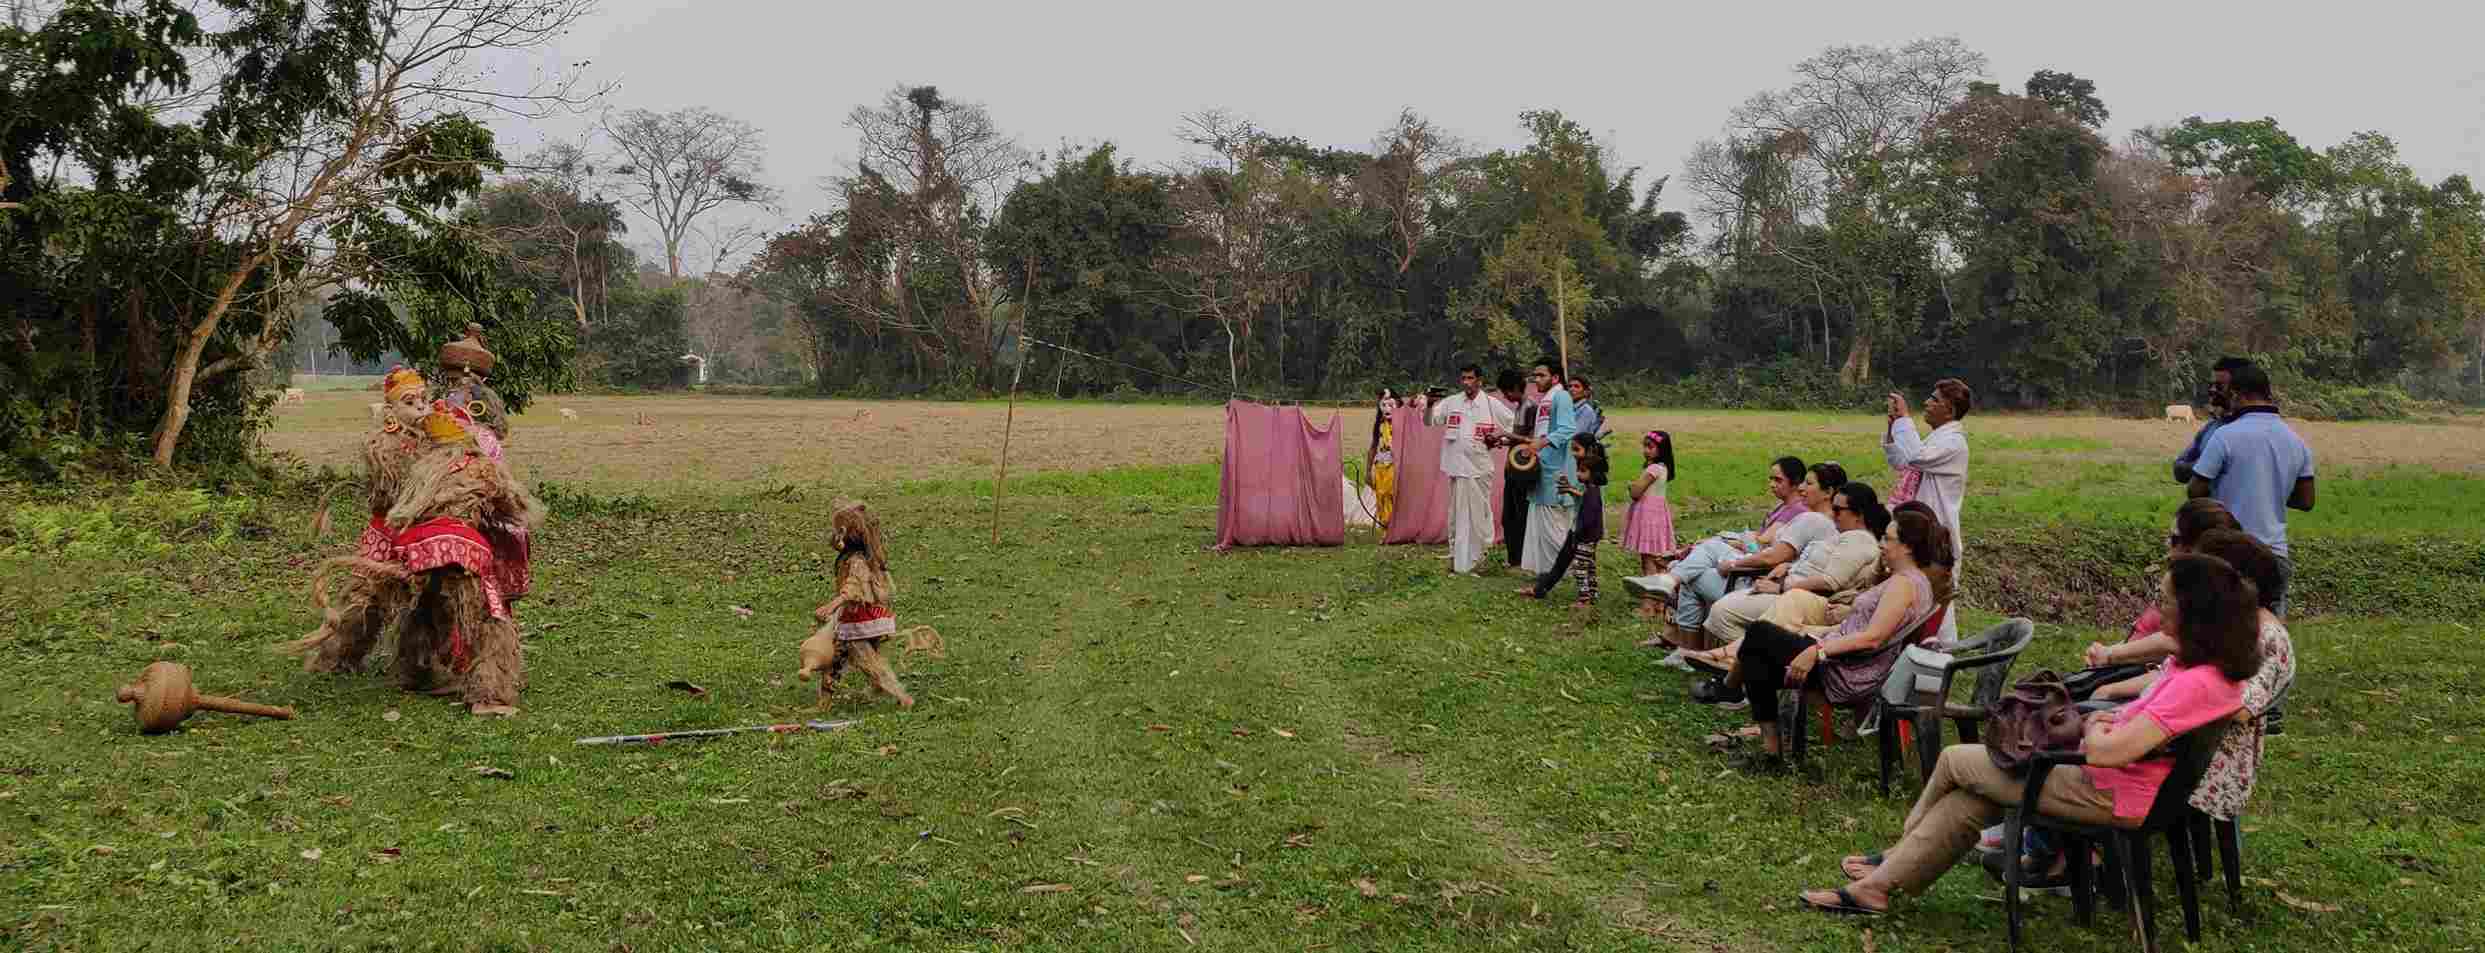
(664, 736)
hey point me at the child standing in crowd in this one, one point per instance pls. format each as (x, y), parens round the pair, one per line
(1648, 529)
(1583, 486)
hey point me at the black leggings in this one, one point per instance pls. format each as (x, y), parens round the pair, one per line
(1577, 557)
(1767, 650)
(1514, 492)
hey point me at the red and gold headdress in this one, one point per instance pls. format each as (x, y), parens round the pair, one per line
(401, 380)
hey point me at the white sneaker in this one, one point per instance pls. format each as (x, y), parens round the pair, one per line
(1674, 659)
(1660, 583)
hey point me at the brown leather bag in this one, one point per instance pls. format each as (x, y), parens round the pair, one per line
(2036, 715)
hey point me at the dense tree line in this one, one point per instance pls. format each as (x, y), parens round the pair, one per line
(190, 194)
(1890, 216)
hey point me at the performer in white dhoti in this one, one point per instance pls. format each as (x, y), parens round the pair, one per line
(1549, 513)
(1472, 420)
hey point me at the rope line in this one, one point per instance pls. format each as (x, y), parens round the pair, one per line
(1144, 370)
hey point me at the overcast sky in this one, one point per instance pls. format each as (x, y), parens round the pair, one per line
(1649, 79)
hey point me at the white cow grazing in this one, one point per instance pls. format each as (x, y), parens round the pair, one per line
(568, 414)
(294, 395)
(2182, 412)
(379, 411)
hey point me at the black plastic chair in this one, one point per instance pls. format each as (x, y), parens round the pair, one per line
(1990, 655)
(2126, 848)
(2227, 836)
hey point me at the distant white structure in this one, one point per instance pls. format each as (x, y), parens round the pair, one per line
(699, 369)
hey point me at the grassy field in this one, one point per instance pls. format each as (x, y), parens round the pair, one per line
(1132, 743)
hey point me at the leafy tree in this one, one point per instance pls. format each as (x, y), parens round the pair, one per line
(676, 168)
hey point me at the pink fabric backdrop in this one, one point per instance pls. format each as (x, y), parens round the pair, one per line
(1283, 482)
(1423, 512)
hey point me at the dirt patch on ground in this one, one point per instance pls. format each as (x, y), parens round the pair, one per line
(699, 444)
(693, 443)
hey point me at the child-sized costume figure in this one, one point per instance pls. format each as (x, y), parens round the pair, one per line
(856, 622)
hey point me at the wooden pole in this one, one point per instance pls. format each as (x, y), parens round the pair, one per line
(1026, 299)
(1561, 324)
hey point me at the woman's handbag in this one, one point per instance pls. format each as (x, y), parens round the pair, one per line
(2036, 715)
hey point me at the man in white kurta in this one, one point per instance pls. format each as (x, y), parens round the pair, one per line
(1934, 466)
(1467, 460)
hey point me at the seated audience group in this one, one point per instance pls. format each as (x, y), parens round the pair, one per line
(1826, 596)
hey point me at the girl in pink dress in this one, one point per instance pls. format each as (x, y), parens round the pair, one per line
(1649, 529)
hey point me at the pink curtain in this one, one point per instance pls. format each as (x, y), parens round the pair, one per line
(1423, 512)
(1283, 482)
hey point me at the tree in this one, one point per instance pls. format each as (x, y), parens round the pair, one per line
(1819, 180)
(1092, 230)
(323, 156)
(2274, 163)
(675, 168)
(930, 169)
(554, 231)
(2036, 236)
(2069, 94)
(1226, 263)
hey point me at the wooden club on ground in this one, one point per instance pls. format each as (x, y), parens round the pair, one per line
(162, 698)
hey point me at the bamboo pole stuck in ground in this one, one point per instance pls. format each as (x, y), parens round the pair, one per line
(1001, 477)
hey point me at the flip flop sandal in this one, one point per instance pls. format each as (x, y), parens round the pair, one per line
(1847, 905)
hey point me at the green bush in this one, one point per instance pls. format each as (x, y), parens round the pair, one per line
(145, 521)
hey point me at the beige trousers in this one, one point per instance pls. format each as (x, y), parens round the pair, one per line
(1965, 795)
(1791, 610)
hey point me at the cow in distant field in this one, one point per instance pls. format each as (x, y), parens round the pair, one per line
(568, 414)
(2182, 412)
(294, 395)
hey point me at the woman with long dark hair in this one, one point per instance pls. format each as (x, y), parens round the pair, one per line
(2213, 616)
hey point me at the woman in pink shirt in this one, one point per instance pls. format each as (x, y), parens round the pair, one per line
(2213, 616)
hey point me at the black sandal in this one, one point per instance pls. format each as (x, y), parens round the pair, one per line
(1847, 905)
(1716, 692)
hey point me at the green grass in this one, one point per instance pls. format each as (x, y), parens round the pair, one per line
(1289, 749)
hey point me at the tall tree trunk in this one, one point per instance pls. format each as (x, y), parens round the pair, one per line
(185, 362)
(1858, 367)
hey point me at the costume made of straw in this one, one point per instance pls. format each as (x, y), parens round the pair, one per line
(370, 601)
(856, 622)
(447, 558)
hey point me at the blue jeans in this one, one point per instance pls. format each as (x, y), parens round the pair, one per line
(1701, 585)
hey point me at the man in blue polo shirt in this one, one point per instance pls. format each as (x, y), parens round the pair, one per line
(2221, 403)
(2256, 465)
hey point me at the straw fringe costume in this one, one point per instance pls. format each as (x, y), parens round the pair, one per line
(856, 623)
(460, 527)
(446, 555)
(371, 600)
